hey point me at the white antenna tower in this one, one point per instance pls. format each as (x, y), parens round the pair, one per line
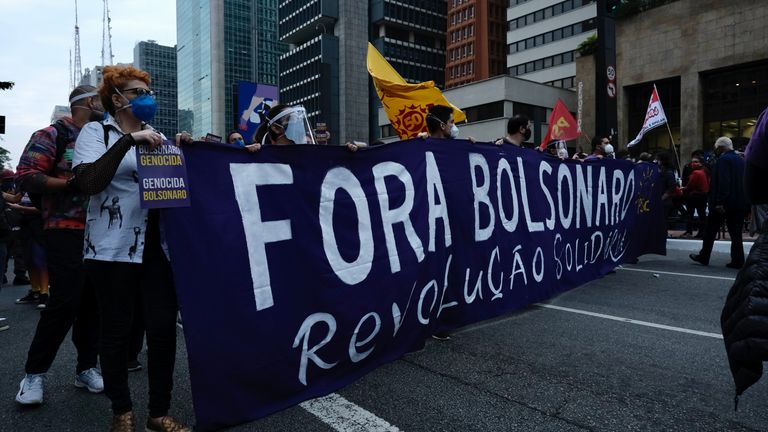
(106, 37)
(78, 72)
(71, 77)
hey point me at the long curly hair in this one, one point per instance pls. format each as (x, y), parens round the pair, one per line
(115, 77)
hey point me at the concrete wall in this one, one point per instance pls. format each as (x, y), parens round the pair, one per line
(684, 39)
(585, 74)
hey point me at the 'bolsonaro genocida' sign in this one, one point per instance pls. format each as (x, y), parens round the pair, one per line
(301, 268)
(162, 176)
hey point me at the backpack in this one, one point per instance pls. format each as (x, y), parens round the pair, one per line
(62, 140)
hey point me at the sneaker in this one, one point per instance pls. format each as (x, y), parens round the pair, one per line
(31, 390)
(31, 297)
(123, 423)
(21, 280)
(441, 336)
(42, 301)
(134, 365)
(166, 424)
(4, 324)
(90, 379)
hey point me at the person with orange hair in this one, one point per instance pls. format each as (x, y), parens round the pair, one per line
(124, 256)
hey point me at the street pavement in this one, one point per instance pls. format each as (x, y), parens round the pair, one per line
(646, 357)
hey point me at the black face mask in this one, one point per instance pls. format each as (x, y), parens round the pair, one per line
(527, 134)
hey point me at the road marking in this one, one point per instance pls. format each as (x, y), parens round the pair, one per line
(630, 321)
(344, 416)
(676, 274)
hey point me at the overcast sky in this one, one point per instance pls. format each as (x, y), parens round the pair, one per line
(36, 37)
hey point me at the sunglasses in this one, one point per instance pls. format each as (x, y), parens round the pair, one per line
(140, 91)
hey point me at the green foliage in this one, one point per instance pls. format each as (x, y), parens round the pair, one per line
(6, 85)
(588, 46)
(5, 158)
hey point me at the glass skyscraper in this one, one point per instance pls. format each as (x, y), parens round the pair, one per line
(221, 42)
(160, 62)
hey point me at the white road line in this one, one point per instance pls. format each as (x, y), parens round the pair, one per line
(630, 321)
(676, 274)
(344, 416)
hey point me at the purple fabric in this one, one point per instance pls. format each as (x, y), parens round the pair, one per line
(757, 150)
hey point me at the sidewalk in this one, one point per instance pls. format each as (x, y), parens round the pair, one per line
(676, 241)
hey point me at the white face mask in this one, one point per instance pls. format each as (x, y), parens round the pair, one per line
(609, 150)
(454, 132)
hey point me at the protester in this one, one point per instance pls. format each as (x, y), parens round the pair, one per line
(286, 125)
(598, 148)
(697, 155)
(45, 168)
(672, 193)
(695, 197)
(127, 259)
(33, 253)
(518, 131)
(236, 139)
(15, 247)
(727, 204)
(440, 123)
(5, 235)
(742, 320)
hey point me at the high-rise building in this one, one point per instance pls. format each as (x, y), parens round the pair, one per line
(160, 62)
(60, 111)
(476, 41)
(325, 70)
(92, 76)
(411, 36)
(221, 42)
(543, 36)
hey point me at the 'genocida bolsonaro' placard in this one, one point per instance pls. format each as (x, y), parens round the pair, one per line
(162, 176)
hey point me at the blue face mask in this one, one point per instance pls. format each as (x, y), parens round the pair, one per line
(239, 143)
(143, 107)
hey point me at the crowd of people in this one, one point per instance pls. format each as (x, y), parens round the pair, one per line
(73, 221)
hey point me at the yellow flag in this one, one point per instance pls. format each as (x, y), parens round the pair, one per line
(406, 104)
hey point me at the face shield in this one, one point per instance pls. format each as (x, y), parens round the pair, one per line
(295, 125)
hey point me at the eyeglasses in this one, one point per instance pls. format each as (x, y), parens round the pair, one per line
(140, 91)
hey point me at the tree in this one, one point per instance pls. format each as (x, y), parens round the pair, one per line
(5, 158)
(6, 85)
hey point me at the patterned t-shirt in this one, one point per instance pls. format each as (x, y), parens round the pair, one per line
(60, 210)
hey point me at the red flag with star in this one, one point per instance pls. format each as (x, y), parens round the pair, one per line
(562, 125)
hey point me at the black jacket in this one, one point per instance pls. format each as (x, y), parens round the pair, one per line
(726, 187)
(744, 320)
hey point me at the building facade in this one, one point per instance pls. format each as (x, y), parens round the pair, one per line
(325, 67)
(476, 41)
(543, 36)
(708, 61)
(160, 62)
(221, 42)
(488, 105)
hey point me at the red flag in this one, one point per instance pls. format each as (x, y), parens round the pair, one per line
(562, 125)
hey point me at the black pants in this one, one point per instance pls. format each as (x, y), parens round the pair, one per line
(72, 305)
(695, 203)
(734, 221)
(119, 284)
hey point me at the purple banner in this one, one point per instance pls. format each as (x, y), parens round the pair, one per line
(301, 268)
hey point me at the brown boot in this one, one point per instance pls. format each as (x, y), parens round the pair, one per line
(122, 423)
(166, 424)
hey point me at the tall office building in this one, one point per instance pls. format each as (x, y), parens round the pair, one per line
(476, 41)
(543, 36)
(160, 62)
(325, 68)
(221, 42)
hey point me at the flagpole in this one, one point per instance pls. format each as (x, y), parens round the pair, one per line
(674, 147)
